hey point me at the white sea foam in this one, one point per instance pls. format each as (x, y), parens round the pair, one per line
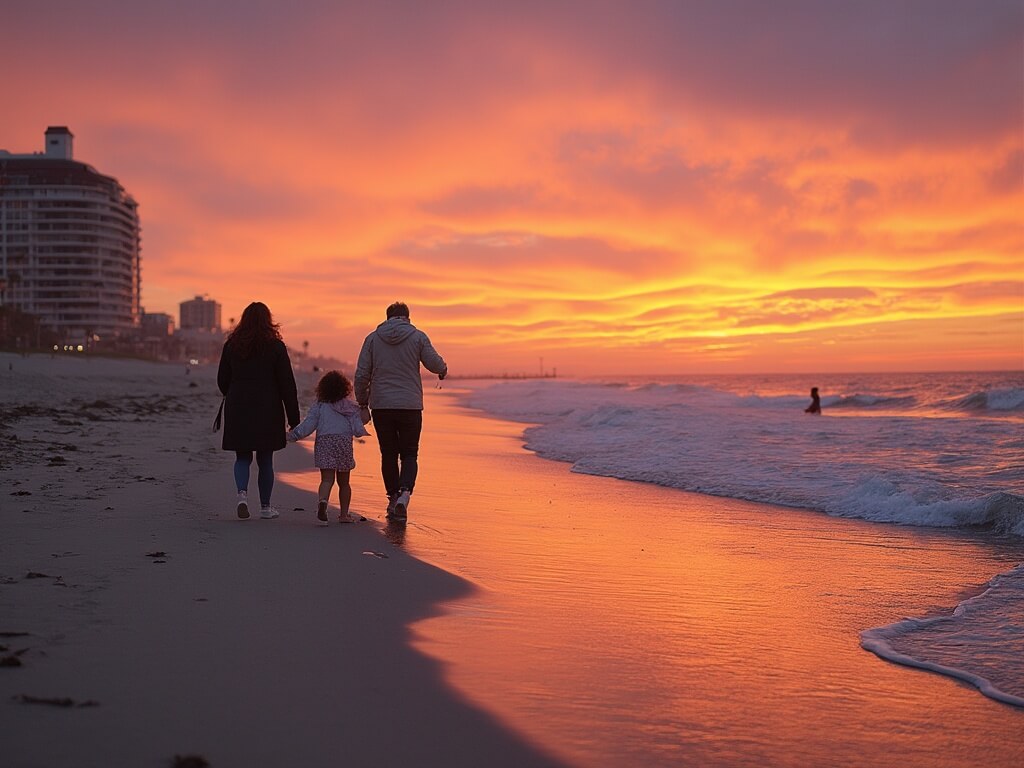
(1011, 399)
(981, 642)
(905, 466)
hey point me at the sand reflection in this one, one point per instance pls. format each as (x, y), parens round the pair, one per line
(620, 623)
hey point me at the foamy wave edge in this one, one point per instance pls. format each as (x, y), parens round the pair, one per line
(995, 400)
(877, 642)
(880, 500)
(877, 496)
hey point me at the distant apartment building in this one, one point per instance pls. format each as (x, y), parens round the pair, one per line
(199, 332)
(156, 325)
(200, 313)
(69, 243)
(156, 338)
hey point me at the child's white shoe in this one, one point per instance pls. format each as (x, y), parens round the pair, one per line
(268, 512)
(242, 508)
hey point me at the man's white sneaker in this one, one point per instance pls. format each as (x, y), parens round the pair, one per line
(401, 506)
(321, 512)
(268, 513)
(242, 507)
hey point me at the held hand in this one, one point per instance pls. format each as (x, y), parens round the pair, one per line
(443, 375)
(364, 414)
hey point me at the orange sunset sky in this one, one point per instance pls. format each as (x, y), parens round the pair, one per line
(614, 187)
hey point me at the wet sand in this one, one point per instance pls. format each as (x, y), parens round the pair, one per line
(620, 623)
(525, 616)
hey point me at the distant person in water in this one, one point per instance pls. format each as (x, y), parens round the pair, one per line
(255, 376)
(336, 419)
(815, 406)
(388, 384)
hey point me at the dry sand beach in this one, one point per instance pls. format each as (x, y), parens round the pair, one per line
(526, 616)
(131, 594)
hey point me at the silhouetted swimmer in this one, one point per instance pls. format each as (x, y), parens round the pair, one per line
(815, 406)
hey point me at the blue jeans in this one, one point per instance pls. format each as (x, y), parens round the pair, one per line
(265, 479)
(398, 434)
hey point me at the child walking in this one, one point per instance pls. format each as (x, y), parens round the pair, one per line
(336, 420)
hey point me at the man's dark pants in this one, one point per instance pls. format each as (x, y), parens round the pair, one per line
(398, 433)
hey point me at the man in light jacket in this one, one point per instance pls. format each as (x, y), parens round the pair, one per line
(388, 383)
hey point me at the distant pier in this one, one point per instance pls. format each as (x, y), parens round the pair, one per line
(510, 376)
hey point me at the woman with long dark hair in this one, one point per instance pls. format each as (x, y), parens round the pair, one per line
(256, 378)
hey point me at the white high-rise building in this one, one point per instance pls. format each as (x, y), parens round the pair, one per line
(70, 247)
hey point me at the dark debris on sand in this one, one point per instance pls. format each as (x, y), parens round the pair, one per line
(77, 412)
(190, 761)
(54, 701)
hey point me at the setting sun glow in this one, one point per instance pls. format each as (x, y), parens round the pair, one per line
(643, 187)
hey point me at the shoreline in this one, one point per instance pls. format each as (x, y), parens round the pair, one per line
(592, 458)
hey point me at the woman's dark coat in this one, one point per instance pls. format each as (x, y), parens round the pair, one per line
(260, 390)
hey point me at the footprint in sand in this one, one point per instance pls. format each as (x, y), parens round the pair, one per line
(190, 761)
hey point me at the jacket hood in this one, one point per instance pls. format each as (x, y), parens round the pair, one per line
(345, 407)
(395, 330)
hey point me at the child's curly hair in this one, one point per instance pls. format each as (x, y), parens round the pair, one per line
(332, 387)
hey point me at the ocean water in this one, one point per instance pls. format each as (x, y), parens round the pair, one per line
(940, 450)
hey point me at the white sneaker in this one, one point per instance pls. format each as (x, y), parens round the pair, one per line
(321, 512)
(268, 513)
(401, 506)
(242, 507)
